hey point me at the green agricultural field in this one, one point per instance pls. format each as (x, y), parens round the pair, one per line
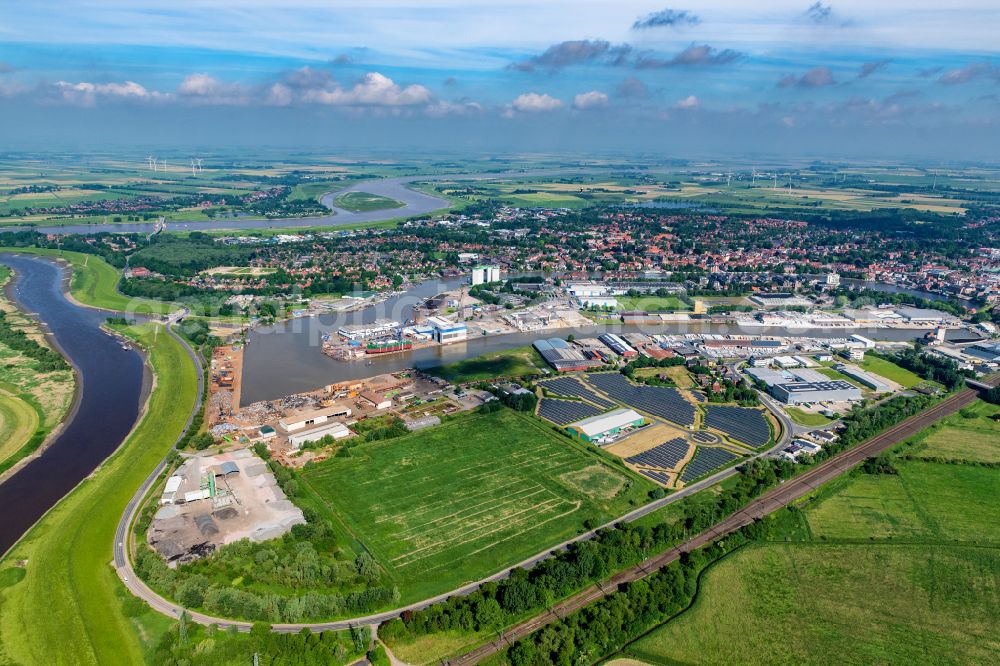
(651, 303)
(802, 417)
(314, 191)
(454, 503)
(970, 435)
(60, 600)
(924, 501)
(850, 604)
(95, 283)
(890, 371)
(517, 362)
(358, 202)
(18, 422)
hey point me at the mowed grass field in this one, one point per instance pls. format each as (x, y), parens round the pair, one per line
(18, 422)
(359, 202)
(890, 371)
(847, 604)
(651, 303)
(457, 502)
(60, 600)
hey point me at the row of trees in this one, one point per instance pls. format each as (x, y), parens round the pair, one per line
(935, 368)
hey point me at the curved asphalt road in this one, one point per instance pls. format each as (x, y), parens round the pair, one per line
(123, 563)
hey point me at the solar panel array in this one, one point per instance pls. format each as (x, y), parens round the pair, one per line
(664, 456)
(705, 460)
(659, 477)
(574, 388)
(667, 403)
(741, 423)
(703, 437)
(564, 412)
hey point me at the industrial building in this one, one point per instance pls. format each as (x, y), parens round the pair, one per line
(485, 274)
(599, 301)
(300, 420)
(446, 331)
(797, 393)
(564, 358)
(334, 429)
(869, 380)
(377, 329)
(587, 290)
(618, 345)
(606, 426)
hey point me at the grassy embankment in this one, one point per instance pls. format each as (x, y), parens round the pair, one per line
(95, 283)
(32, 401)
(880, 568)
(451, 504)
(60, 601)
(510, 363)
(359, 202)
(802, 417)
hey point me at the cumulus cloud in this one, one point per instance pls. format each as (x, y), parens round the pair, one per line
(374, 89)
(590, 100)
(87, 94)
(666, 18)
(689, 102)
(817, 77)
(535, 103)
(869, 68)
(696, 55)
(575, 52)
(971, 72)
(632, 88)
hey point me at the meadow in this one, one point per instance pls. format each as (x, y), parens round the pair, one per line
(451, 504)
(802, 417)
(890, 371)
(823, 603)
(516, 362)
(60, 601)
(358, 202)
(651, 303)
(874, 568)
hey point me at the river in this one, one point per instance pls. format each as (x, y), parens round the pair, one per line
(109, 396)
(287, 358)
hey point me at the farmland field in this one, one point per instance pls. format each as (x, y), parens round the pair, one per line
(970, 435)
(925, 500)
(450, 504)
(865, 604)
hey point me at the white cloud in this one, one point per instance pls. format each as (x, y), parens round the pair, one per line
(535, 102)
(373, 90)
(689, 102)
(87, 94)
(445, 108)
(590, 100)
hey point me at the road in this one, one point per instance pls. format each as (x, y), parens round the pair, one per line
(135, 585)
(772, 500)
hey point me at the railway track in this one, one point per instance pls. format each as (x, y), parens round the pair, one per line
(767, 503)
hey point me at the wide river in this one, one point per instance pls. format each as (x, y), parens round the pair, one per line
(287, 358)
(110, 393)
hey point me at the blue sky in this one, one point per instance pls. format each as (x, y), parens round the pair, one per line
(787, 76)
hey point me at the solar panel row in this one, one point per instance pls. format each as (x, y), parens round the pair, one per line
(705, 460)
(574, 388)
(656, 476)
(664, 456)
(564, 412)
(741, 423)
(666, 403)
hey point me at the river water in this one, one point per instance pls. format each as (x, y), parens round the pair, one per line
(287, 358)
(110, 389)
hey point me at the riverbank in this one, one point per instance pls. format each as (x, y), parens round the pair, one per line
(56, 581)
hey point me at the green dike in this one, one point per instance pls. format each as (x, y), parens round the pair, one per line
(95, 282)
(66, 605)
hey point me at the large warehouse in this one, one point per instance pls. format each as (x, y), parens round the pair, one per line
(797, 393)
(597, 428)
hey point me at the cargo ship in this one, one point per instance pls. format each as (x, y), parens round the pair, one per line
(388, 346)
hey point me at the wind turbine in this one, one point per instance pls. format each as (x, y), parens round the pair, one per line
(774, 186)
(150, 163)
(729, 179)
(753, 176)
(193, 167)
(198, 160)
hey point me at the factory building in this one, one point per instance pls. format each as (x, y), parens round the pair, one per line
(334, 429)
(587, 290)
(563, 358)
(603, 426)
(599, 301)
(616, 344)
(869, 380)
(797, 393)
(446, 331)
(301, 420)
(377, 329)
(485, 274)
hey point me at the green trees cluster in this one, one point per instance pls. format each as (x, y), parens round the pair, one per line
(729, 391)
(861, 424)
(646, 362)
(934, 368)
(46, 360)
